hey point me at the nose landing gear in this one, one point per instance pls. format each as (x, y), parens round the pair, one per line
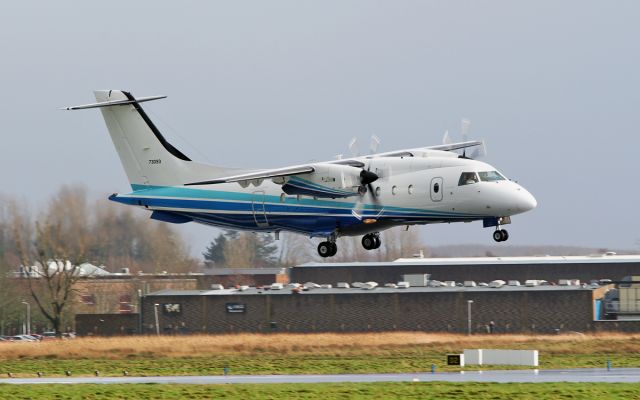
(371, 241)
(500, 235)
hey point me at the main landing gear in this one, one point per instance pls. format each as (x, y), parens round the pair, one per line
(500, 235)
(327, 249)
(371, 241)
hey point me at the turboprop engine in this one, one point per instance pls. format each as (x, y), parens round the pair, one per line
(328, 180)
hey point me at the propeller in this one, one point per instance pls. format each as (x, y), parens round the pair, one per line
(480, 151)
(465, 127)
(366, 179)
(353, 147)
(375, 142)
(446, 139)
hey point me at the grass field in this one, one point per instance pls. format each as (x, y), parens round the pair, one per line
(299, 353)
(433, 390)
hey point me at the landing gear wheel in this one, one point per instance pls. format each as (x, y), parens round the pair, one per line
(334, 249)
(500, 235)
(369, 242)
(325, 249)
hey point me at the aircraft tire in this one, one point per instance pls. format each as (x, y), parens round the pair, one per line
(505, 235)
(497, 235)
(377, 241)
(334, 249)
(369, 242)
(325, 249)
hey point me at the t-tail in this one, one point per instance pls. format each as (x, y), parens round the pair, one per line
(147, 157)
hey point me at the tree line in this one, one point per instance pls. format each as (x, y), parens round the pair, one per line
(71, 230)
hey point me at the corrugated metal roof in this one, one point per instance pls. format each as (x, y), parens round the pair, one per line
(597, 258)
(247, 271)
(378, 290)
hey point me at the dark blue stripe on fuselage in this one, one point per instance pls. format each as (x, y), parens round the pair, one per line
(304, 217)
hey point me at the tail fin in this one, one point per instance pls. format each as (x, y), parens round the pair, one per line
(147, 157)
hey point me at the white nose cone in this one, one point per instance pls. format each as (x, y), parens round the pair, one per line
(526, 201)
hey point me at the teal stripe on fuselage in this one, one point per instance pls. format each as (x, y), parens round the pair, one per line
(192, 193)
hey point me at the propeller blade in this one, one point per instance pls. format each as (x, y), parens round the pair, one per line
(480, 151)
(375, 142)
(465, 127)
(353, 146)
(446, 139)
(372, 193)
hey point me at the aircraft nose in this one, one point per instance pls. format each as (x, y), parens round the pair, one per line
(526, 201)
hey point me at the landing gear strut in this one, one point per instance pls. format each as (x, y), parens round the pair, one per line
(371, 241)
(500, 235)
(327, 249)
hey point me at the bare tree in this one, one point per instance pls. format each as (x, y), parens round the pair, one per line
(295, 249)
(239, 253)
(396, 242)
(51, 258)
(51, 272)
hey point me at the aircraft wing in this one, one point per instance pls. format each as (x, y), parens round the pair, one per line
(264, 174)
(309, 168)
(441, 147)
(277, 172)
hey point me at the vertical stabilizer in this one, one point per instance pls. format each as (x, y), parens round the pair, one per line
(147, 157)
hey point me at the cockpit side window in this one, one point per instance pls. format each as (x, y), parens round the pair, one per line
(467, 178)
(491, 176)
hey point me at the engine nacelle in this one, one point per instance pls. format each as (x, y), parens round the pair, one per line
(327, 180)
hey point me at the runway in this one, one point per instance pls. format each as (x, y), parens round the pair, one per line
(617, 375)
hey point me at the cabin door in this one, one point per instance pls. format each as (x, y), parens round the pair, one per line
(436, 189)
(259, 211)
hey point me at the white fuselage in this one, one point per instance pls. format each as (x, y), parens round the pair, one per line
(410, 190)
(361, 195)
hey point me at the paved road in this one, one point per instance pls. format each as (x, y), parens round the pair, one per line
(533, 376)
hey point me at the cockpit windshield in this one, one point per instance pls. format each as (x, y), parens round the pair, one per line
(467, 178)
(491, 176)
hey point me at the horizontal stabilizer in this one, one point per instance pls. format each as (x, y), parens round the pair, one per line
(114, 103)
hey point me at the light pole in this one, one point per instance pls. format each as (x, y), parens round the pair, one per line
(155, 310)
(469, 302)
(28, 317)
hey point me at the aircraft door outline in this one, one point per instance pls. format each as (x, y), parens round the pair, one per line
(259, 211)
(436, 189)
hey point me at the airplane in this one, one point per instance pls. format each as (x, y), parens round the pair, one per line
(360, 195)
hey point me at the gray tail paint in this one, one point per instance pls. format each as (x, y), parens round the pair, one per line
(147, 157)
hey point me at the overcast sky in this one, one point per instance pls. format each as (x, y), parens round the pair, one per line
(553, 87)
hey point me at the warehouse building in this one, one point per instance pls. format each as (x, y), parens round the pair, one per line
(543, 309)
(479, 269)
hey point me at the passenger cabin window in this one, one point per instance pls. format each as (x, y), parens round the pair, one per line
(468, 178)
(491, 176)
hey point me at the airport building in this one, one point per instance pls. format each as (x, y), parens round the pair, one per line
(544, 309)
(503, 294)
(478, 269)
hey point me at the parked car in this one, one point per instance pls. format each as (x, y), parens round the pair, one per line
(48, 335)
(22, 338)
